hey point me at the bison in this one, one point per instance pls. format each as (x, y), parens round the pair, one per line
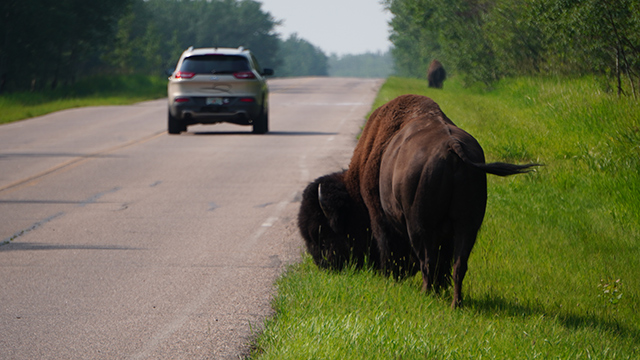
(436, 74)
(412, 199)
(335, 228)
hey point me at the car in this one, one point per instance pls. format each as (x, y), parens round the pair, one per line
(218, 85)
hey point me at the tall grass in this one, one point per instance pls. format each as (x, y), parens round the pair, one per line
(100, 90)
(555, 270)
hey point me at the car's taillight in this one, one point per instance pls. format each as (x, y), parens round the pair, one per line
(184, 75)
(181, 100)
(247, 100)
(244, 75)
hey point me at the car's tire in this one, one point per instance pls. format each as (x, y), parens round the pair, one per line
(261, 126)
(174, 126)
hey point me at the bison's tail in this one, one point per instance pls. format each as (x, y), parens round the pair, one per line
(495, 168)
(504, 169)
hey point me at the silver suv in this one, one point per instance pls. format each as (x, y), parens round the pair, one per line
(214, 85)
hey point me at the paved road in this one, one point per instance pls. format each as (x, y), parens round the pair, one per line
(122, 242)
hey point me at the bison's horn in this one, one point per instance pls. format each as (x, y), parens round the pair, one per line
(321, 200)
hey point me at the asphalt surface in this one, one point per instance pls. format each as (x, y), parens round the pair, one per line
(119, 241)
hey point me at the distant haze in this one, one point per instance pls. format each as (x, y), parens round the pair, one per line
(336, 26)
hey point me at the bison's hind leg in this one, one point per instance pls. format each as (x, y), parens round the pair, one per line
(443, 272)
(464, 240)
(433, 248)
(428, 269)
(445, 243)
(428, 257)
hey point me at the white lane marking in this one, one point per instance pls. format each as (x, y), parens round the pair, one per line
(184, 313)
(270, 221)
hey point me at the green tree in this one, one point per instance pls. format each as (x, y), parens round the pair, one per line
(484, 40)
(594, 36)
(201, 23)
(44, 42)
(137, 46)
(301, 58)
(513, 31)
(415, 36)
(449, 30)
(465, 44)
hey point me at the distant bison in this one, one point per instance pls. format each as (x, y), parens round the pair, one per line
(436, 74)
(413, 198)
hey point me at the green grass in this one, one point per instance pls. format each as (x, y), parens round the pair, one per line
(102, 90)
(555, 271)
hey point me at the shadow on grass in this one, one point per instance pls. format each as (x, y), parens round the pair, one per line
(492, 306)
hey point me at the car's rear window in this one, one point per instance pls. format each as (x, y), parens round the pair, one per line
(215, 64)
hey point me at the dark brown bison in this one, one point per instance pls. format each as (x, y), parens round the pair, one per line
(335, 228)
(413, 198)
(436, 74)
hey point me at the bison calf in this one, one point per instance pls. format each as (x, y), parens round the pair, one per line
(335, 228)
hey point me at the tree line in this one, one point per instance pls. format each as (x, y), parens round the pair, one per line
(44, 43)
(485, 40)
(367, 65)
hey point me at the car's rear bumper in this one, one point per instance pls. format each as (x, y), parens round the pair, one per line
(196, 111)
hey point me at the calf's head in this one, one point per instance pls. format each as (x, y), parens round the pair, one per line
(334, 229)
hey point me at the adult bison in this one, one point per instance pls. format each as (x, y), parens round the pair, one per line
(436, 74)
(413, 197)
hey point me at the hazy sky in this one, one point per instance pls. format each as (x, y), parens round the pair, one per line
(335, 26)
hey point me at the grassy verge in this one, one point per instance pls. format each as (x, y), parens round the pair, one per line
(111, 90)
(554, 273)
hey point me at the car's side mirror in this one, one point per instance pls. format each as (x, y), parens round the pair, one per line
(267, 72)
(169, 71)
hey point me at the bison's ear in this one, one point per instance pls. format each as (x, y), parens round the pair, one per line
(334, 200)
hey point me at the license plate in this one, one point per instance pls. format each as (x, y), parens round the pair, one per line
(214, 101)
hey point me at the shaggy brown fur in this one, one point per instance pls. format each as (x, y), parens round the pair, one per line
(335, 228)
(433, 193)
(363, 176)
(416, 183)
